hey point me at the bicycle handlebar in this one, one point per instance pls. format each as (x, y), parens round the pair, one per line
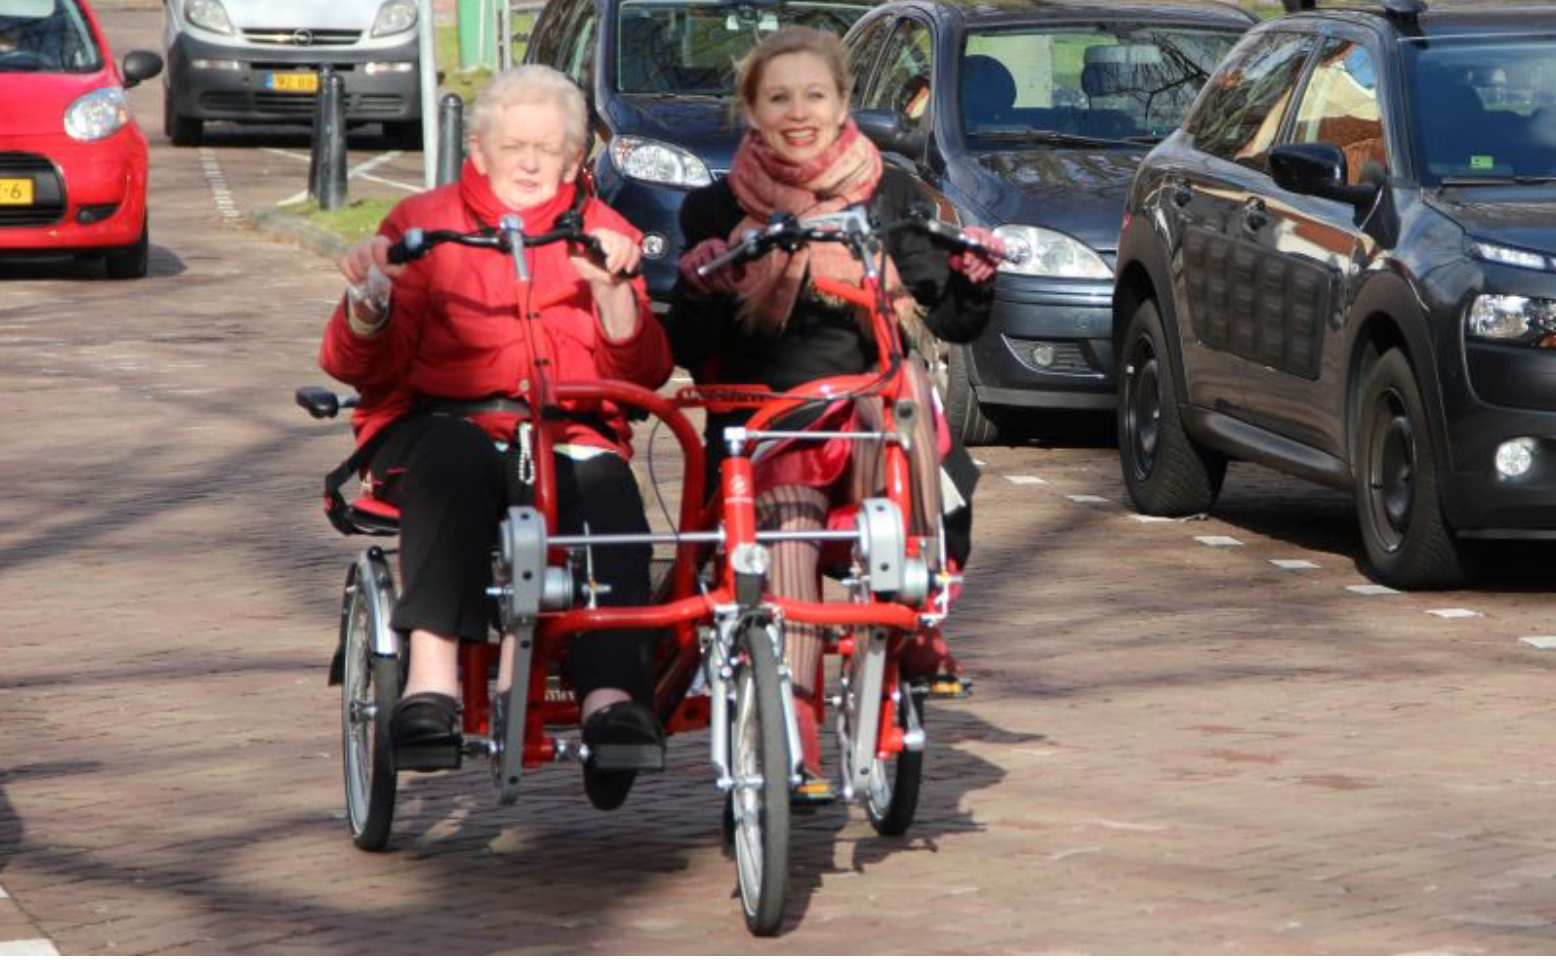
(508, 237)
(852, 228)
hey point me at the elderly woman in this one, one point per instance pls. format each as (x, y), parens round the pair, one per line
(439, 363)
(767, 323)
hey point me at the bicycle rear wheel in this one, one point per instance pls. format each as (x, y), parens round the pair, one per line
(760, 799)
(370, 687)
(891, 794)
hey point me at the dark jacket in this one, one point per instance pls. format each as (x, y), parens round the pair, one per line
(819, 340)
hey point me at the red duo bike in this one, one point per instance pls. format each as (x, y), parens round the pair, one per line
(721, 659)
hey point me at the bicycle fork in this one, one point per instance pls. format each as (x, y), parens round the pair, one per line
(721, 656)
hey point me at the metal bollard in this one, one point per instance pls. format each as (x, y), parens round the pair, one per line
(451, 137)
(327, 163)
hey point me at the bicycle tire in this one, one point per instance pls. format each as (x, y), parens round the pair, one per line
(891, 795)
(760, 752)
(369, 681)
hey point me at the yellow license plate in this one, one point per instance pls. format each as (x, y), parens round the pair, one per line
(294, 82)
(15, 193)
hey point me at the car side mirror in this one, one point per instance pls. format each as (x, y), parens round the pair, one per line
(884, 128)
(140, 65)
(1318, 170)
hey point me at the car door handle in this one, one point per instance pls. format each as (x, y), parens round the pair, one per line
(1255, 215)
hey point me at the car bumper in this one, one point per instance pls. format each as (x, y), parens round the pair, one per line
(86, 195)
(237, 91)
(1514, 395)
(655, 209)
(1067, 323)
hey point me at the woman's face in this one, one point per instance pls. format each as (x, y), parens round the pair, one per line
(798, 111)
(523, 153)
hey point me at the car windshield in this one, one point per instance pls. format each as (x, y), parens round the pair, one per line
(1095, 84)
(691, 48)
(1484, 108)
(46, 36)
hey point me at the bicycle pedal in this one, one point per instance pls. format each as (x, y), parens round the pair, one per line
(428, 756)
(624, 757)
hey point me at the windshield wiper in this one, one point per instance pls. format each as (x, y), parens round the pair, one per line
(1519, 180)
(1050, 136)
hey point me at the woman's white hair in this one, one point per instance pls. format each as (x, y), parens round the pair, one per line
(534, 83)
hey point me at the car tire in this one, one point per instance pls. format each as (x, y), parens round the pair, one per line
(182, 131)
(1166, 472)
(1408, 543)
(404, 134)
(130, 263)
(976, 427)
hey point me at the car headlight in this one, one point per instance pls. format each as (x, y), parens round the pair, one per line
(656, 162)
(1512, 256)
(98, 114)
(1513, 319)
(1050, 254)
(208, 15)
(396, 16)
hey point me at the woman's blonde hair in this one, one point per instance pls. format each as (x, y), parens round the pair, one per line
(826, 45)
(534, 83)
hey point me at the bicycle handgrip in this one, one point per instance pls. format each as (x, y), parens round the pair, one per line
(737, 252)
(597, 252)
(412, 246)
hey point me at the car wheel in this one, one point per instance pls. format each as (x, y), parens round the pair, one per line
(129, 263)
(968, 418)
(405, 135)
(1408, 543)
(183, 131)
(1165, 471)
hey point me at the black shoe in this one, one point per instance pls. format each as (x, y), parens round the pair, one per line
(624, 739)
(425, 732)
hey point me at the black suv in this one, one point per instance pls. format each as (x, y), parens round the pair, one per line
(660, 77)
(1344, 266)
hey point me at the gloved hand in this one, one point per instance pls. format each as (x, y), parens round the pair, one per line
(720, 281)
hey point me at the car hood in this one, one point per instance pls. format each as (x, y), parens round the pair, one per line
(701, 125)
(1517, 216)
(1080, 192)
(303, 14)
(35, 103)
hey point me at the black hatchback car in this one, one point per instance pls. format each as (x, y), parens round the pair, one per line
(659, 78)
(1344, 266)
(1030, 117)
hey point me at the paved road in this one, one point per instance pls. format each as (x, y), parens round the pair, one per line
(1174, 747)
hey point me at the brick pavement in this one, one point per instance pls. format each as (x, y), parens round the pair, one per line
(1173, 748)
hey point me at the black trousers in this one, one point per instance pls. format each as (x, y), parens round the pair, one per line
(452, 487)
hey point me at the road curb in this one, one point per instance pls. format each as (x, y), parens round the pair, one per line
(282, 225)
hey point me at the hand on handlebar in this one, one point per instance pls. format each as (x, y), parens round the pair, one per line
(719, 281)
(374, 252)
(614, 258)
(978, 263)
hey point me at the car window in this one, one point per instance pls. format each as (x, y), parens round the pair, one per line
(1482, 107)
(1340, 106)
(902, 85)
(688, 47)
(1240, 114)
(862, 53)
(49, 36)
(1113, 81)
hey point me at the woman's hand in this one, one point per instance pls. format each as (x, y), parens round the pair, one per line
(721, 281)
(621, 256)
(356, 263)
(367, 268)
(978, 265)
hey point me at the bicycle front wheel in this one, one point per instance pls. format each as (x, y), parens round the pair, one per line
(760, 799)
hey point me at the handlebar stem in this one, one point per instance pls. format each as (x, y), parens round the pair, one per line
(512, 227)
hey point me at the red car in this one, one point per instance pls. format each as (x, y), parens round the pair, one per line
(72, 159)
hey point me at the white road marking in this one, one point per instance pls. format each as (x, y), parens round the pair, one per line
(28, 948)
(1540, 643)
(980, 463)
(1087, 498)
(1372, 590)
(217, 181)
(1220, 541)
(1295, 564)
(1142, 518)
(1026, 480)
(1453, 613)
(3, 894)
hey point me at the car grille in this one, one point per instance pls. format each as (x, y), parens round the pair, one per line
(358, 106)
(293, 37)
(48, 206)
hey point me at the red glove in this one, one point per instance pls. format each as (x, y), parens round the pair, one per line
(720, 281)
(976, 265)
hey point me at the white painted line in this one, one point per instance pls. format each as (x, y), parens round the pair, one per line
(373, 164)
(1142, 518)
(1026, 480)
(294, 199)
(1087, 498)
(3, 894)
(290, 154)
(980, 463)
(1540, 643)
(1295, 564)
(1220, 541)
(28, 948)
(1372, 590)
(1453, 613)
